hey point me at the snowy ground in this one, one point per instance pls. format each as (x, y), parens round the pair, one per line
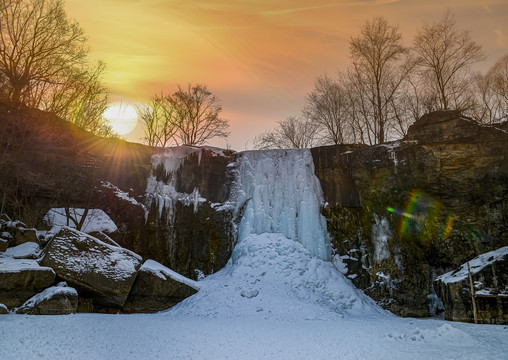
(273, 300)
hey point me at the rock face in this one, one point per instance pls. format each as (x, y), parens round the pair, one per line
(402, 213)
(92, 266)
(22, 279)
(399, 214)
(158, 288)
(489, 273)
(189, 226)
(55, 300)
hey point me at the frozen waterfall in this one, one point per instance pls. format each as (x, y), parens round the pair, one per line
(277, 192)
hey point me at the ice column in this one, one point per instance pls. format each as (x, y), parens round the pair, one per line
(279, 193)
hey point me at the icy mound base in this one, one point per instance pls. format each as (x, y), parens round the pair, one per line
(272, 277)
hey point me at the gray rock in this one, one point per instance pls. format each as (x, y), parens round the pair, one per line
(3, 244)
(105, 271)
(21, 279)
(158, 288)
(56, 300)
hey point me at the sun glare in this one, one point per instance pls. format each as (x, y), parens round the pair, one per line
(123, 118)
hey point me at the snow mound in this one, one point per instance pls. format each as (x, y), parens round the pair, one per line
(273, 277)
(96, 219)
(476, 265)
(437, 335)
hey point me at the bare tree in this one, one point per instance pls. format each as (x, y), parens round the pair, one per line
(38, 44)
(444, 55)
(43, 64)
(375, 75)
(157, 122)
(293, 133)
(195, 114)
(189, 116)
(328, 105)
(491, 92)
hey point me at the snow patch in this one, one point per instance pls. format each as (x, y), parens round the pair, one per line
(434, 335)
(96, 219)
(164, 272)
(476, 265)
(25, 250)
(11, 265)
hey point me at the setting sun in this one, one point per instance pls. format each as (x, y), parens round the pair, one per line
(122, 117)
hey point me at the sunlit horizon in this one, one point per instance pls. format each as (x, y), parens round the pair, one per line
(259, 58)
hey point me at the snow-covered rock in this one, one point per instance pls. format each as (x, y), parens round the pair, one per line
(21, 279)
(489, 273)
(55, 300)
(105, 270)
(158, 288)
(28, 250)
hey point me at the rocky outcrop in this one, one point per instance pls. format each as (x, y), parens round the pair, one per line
(22, 279)
(55, 300)
(158, 288)
(189, 224)
(489, 273)
(92, 266)
(402, 213)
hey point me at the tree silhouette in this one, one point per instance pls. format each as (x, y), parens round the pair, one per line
(189, 116)
(445, 54)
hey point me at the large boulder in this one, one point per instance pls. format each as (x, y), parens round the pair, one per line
(56, 300)
(158, 288)
(22, 279)
(104, 271)
(489, 273)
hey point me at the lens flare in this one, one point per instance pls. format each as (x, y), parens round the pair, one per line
(422, 218)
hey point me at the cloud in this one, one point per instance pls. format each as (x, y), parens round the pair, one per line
(297, 9)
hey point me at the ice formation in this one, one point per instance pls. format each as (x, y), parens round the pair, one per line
(277, 192)
(164, 193)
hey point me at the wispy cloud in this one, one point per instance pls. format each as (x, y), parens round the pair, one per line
(297, 9)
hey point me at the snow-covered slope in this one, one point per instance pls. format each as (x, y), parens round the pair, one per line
(272, 277)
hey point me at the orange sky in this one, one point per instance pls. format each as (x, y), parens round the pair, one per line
(260, 57)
